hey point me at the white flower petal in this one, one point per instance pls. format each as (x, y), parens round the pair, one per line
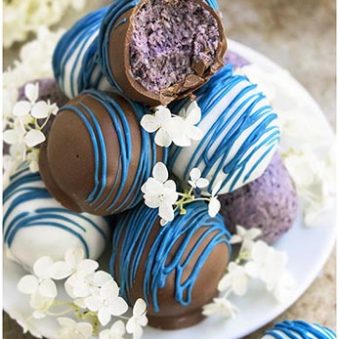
(152, 201)
(118, 307)
(224, 283)
(109, 290)
(21, 108)
(39, 315)
(34, 137)
(100, 278)
(166, 211)
(42, 267)
(66, 322)
(160, 172)
(163, 115)
(40, 110)
(193, 113)
(85, 329)
(195, 174)
(32, 92)
(202, 183)
(93, 303)
(162, 138)
(104, 316)
(118, 328)
(149, 123)
(48, 289)
(214, 207)
(28, 284)
(60, 270)
(195, 133)
(131, 325)
(11, 137)
(139, 308)
(87, 266)
(74, 256)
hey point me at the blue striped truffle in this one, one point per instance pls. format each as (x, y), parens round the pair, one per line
(80, 58)
(171, 258)
(299, 330)
(97, 155)
(240, 133)
(36, 225)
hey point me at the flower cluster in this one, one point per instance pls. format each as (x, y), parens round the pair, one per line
(177, 129)
(24, 131)
(34, 63)
(312, 169)
(256, 260)
(161, 193)
(24, 17)
(95, 299)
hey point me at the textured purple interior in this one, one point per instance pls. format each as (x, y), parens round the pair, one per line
(168, 39)
(269, 203)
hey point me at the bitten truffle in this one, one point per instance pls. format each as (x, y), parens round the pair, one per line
(97, 156)
(153, 51)
(175, 268)
(269, 203)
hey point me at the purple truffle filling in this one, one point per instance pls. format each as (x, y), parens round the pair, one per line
(170, 40)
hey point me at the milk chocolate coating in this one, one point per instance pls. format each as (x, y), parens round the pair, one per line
(97, 156)
(175, 268)
(115, 59)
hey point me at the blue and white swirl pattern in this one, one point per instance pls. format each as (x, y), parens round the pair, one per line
(132, 234)
(75, 57)
(81, 54)
(36, 225)
(299, 330)
(240, 133)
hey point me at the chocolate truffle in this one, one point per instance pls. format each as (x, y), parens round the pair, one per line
(97, 156)
(36, 225)
(153, 51)
(299, 329)
(269, 203)
(175, 268)
(240, 133)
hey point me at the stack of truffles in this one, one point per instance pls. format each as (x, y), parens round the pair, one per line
(116, 65)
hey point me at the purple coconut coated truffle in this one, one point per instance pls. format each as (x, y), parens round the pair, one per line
(48, 90)
(235, 59)
(168, 40)
(269, 203)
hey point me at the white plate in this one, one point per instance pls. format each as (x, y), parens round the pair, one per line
(307, 248)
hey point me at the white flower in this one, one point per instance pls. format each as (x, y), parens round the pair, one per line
(183, 129)
(83, 284)
(40, 305)
(196, 180)
(159, 192)
(25, 323)
(117, 331)
(244, 235)
(106, 302)
(41, 281)
(236, 279)
(75, 262)
(73, 330)
(179, 129)
(214, 204)
(159, 123)
(138, 320)
(267, 264)
(222, 307)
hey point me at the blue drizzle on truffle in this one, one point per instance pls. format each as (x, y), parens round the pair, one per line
(240, 129)
(299, 330)
(27, 187)
(148, 155)
(132, 233)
